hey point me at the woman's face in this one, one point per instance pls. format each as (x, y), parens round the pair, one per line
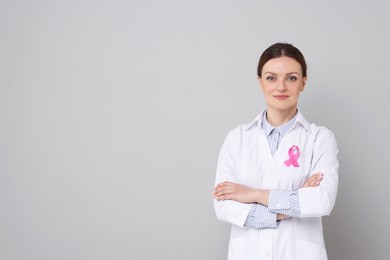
(281, 82)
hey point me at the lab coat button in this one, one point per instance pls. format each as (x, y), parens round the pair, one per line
(278, 205)
(268, 254)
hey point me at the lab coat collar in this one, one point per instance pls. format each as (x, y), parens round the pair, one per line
(259, 119)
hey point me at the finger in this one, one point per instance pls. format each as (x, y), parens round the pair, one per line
(219, 188)
(313, 181)
(224, 190)
(222, 184)
(225, 185)
(309, 181)
(221, 196)
(317, 180)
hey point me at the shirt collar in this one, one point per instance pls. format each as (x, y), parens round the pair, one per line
(283, 129)
(258, 121)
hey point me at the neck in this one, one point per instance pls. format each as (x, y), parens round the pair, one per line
(278, 117)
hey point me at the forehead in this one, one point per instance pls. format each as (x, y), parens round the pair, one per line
(282, 65)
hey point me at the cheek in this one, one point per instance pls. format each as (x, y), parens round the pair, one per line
(268, 93)
(297, 88)
(266, 88)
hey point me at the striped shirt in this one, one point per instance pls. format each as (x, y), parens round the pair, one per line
(275, 134)
(284, 202)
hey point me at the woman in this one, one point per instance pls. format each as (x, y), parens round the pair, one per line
(278, 175)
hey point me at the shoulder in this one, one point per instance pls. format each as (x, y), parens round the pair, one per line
(318, 132)
(243, 132)
(244, 129)
(321, 132)
(324, 138)
(236, 133)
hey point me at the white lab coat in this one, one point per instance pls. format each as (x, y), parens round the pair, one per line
(246, 158)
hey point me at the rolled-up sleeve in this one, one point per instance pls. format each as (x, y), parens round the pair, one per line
(284, 202)
(261, 217)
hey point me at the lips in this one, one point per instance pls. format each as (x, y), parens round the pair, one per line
(281, 97)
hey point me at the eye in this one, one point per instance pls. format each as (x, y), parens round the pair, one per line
(292, 78)
(270, 78)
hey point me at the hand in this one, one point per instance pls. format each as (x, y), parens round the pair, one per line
(314, 180)
(233, 191)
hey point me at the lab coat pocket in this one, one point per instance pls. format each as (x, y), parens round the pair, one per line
(310, 240)
(308, 251)
(310, 229)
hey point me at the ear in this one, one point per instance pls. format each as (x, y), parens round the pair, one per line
(303, 83)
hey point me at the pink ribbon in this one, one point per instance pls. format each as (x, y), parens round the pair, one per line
(293, 153)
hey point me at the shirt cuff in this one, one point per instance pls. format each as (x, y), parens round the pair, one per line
(261, 217)
(284, 202)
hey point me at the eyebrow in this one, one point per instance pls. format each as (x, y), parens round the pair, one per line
(268, 72)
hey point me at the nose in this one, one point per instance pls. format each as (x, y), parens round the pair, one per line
(281, 86)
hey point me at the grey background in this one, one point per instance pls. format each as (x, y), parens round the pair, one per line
(113, 113)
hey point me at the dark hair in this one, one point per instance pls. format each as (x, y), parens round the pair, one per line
(278, 50)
